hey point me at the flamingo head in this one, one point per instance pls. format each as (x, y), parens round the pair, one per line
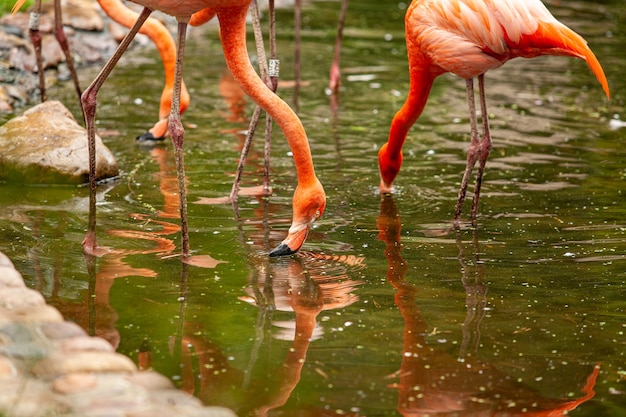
(309, 203)
(389, 165)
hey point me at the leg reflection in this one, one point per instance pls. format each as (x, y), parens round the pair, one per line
(431, 381)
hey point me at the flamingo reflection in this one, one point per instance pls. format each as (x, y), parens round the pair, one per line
(432, 382)
(305, 286)
(94, 313)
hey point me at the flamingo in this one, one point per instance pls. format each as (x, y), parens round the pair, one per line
(166, 47)
(154, 29)
(309, 199)
(468, 38)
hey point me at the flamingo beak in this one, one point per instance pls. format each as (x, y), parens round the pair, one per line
(294, 240)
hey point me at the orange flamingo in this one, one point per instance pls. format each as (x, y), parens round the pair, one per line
(153, 28)
(433, 382)
(309, 199)
(166, 46)
(468, 38)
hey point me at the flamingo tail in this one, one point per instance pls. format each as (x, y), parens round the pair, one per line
(558, 39)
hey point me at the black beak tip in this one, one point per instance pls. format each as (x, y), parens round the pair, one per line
(148, 137)
(282, 250)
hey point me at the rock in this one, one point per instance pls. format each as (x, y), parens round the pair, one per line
(83, 343)
(51, 52)
(5, 261)
(46, 145)
(82, 14)
(59, 363)
(62, 331)
(15, 298)
(9, 277)
(37, 314)
(72, 383)
(16, 93)
(150, 380)
(7, 369)
(5, 100)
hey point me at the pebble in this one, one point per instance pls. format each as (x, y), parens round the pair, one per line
(51, 367)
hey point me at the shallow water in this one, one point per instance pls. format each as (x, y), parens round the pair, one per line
(401, 311)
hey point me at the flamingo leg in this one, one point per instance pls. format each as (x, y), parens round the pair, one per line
(35, 39)
(59, 33)
(472, 153)
(254, 120)
(296, 58)
(335, 71)
(273, 73)
(177, 133)
(485, 146)
(89, 103)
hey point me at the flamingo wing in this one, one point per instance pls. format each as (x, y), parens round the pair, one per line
(470, 37)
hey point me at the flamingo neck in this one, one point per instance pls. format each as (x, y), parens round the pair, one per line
(233, 32)
(420, 85)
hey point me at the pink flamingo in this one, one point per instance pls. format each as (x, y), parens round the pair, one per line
(309, 200)
(468, 38)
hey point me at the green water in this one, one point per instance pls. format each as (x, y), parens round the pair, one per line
(517, 314)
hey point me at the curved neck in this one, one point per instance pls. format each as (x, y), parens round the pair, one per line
(233, 32)
(420, 85)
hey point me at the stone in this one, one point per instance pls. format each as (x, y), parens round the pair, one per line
(10, 278)
(63, 330)
(5, 100)
(33, 398)
(46, 145)
(174, 398)
(5, 261)
(82, 14)
(51, 51)
(16, 298)
(59, 363)
(150, 380)
(7, 368)
(73, 383)
(85, 343)
(37, 314)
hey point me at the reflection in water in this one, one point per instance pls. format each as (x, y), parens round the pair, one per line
(234, 97)
(305, 285)
(96, 314)
(300, 285)
(432, 381)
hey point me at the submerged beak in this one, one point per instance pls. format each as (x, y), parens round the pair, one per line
(294, 240)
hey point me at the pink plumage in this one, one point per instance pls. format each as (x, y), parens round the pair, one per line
(468, 38)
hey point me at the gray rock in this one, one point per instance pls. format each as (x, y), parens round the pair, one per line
(47, 146)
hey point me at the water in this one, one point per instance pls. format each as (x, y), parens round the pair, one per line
(515, 316)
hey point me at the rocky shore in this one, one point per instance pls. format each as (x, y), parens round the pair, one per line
(51, 367)
(92, 38)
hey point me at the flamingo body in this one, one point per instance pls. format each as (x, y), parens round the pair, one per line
(309, 200)
(186, 8)
(469, 38)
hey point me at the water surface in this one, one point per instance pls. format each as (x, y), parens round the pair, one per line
(386, 309)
